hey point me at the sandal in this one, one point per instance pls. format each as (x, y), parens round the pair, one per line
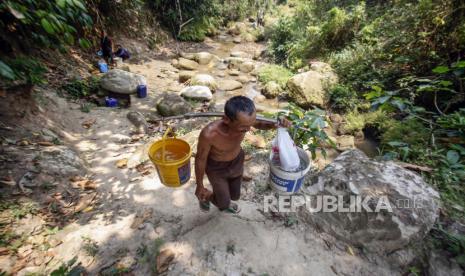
(204, 206)
(233, 208)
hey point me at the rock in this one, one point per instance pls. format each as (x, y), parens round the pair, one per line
(345, 142)
(221, 74)
(440, 265)
(237, 40)
(190, 56)
(203, 58)
(221, 66)
(228, 85)
(251, 93)
(320, 67)
(204, 80)
(239, 54)
(185, 76)
(172, 105)
(247, 67)
(271, 90)
(310, 88)
(197, 92)
(336, 118)
(138, 120)
(409, 206)
(257, 54)
(260, 98)
(238, 28)
(187, 64)
(174, 62)
(243, 79)
(122, 82)
(60, 161)
(234, 62)
(234, 73)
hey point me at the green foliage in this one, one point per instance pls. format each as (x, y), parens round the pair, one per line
(356, 121)
(453, 243)
(81, 88)
(275, 73)
(23, 69)
(46, 22)
(312, 137)
(69, 269)
(343, 98)
(192, 20)
(90, 246)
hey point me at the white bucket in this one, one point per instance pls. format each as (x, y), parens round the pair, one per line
(289, 182)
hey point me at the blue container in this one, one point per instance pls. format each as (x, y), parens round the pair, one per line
(111, 102)
(103, 67)
(142, 91)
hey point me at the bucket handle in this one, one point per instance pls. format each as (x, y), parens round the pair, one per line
(165, 136)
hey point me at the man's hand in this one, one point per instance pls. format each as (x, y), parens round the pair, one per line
(202, 193)
(283, 122)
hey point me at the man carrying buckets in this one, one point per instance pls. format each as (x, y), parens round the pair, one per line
(220, 156)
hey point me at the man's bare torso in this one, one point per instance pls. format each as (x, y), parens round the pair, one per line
(225, 146)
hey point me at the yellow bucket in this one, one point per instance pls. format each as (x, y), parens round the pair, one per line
(171, 157)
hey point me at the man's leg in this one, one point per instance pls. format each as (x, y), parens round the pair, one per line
(235, 187)
(221, 197)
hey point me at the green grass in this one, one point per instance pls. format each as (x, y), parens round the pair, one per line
(276, 73)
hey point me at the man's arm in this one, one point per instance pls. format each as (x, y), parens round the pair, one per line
(283, 122)
(203, 149)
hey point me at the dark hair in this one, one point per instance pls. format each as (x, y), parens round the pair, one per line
(238, 104)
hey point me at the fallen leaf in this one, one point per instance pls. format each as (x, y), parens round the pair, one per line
(88, 209)
(88, 123)
(84, 202)
(85, 184)
(164, 259)
(4, 251)
(45, 144)
(122, 163)
(350, 250)
(141, 218)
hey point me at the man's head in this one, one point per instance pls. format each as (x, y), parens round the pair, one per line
(239, 113)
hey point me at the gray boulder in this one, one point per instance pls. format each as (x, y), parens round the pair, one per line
(197, 92)
(171, 105)
(138, 120)
(310, 88)
(399, 207)
(203, 58)
(60, 161)
(120, 81)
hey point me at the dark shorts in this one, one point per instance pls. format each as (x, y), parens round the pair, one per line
(226, 179)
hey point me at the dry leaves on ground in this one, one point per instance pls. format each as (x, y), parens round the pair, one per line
(164, 259)
(141, 218)
(85, 202)
(122, 163)
(88, 123)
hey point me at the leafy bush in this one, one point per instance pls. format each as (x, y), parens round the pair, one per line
(81, 88)
(343, 98)
(308, 128)
(23, 69)
(276, 73)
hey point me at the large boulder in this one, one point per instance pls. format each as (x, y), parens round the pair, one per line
(187, 64)
(234, 62)
(197, 92)
(397, 207)
(172, 105)
(228, 85)
(120, 81)
(204, 80)
(310, 88)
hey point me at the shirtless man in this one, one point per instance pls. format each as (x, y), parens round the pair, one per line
(220, 156)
